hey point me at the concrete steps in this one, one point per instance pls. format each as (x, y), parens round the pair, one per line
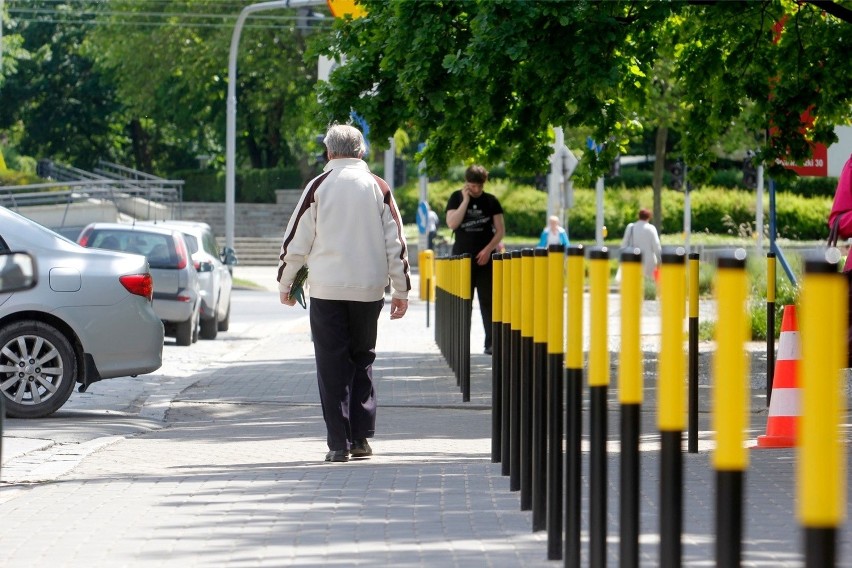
(257, 251)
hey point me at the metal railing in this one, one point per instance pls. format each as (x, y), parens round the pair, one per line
(122, 186)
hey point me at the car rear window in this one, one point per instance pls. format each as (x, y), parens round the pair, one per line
(159, 249)
(191, 243)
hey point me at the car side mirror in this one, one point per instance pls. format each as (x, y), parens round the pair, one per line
(229, 256)
(17, 272)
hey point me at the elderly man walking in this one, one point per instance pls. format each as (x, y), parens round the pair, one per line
(348, 230)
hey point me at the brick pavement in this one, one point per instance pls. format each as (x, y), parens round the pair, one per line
(235, 478)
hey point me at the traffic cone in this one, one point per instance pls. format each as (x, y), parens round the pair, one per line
(784, 406)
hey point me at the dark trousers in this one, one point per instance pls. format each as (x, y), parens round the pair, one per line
(344, 334)
(481, 280)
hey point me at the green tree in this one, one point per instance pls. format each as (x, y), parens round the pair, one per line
(484, 79)
(51, 91)
(171, 69)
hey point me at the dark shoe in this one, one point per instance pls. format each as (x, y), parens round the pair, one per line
(488, 351)
(337, 456)
(361, 449)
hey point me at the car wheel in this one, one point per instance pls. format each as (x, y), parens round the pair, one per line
(185, 330)
(38, 369)
(209, 327)
(225, 323)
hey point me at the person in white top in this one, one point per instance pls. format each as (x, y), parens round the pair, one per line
(643, 235)
(348, 230)
(553, 234)
(432, 228)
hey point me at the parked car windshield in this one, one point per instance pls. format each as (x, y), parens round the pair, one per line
(158, 248)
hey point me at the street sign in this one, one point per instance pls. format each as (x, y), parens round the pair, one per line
(340, 8)
(422, 217)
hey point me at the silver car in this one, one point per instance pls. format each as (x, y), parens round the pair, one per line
(177, 300)
(214, 273)
(88, 318)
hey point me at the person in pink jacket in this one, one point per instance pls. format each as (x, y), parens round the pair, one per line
(842, 209)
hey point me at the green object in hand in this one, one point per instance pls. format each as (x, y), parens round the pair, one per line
(297, 288)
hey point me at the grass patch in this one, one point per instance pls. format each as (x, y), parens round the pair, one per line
(243, 283)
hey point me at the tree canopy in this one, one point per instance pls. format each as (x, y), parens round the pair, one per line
(484, 80)
(145, 82)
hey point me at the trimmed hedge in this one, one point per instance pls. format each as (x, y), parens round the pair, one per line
(714, 210)
(252, 185)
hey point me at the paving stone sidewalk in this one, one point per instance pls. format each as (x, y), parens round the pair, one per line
(236, 478)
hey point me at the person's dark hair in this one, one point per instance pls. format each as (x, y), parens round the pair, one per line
(476, 174)
(644, 214)
(344, 141)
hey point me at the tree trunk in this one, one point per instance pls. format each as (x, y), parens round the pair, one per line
(254, 152)
(659, 168)
(140, 141)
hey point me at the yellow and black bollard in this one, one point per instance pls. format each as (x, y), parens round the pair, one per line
(574, 404)
(692, 434)
(427, 279)
(440, 305)
(539, 391)
(515, 377)
(496, 355)
(466, 306)
(770, 324)
(630, 385)
(555, 298)
(598, 389)
(671, 403)
(440, 312)
(455, 342)
(821, 459)
(730, 404)
(526, 300)
(506, 365)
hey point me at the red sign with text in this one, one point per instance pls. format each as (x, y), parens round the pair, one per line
(816, 165)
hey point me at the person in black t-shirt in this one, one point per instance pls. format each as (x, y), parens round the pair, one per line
(476, 219)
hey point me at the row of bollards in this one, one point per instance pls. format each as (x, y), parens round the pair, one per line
(453, 303)
(537, 395)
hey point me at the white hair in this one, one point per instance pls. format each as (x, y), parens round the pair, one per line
(344, 141)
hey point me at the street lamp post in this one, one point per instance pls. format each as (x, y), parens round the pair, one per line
(231, 117)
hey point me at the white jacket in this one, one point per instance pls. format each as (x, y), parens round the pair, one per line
(348, 230)
(643, 235)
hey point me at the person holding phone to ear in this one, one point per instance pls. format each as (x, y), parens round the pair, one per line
(476, 218)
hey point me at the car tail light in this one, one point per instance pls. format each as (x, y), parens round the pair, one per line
(183, 298)
(183, 255)
(139, 284)
(83, 239)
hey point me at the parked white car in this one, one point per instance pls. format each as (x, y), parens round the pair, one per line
(214, 266)
(177, 298)
(89, 317)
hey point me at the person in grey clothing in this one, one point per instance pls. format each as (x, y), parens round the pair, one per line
(643, 235)
(348, 230)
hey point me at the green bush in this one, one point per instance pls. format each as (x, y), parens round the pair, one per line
(715, 210)
(13, 177)
(524, 207)
(809, 186)
(632, 178)
(525, 210)
(251, 185)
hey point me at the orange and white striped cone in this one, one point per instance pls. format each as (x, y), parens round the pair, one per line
(785, 404)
